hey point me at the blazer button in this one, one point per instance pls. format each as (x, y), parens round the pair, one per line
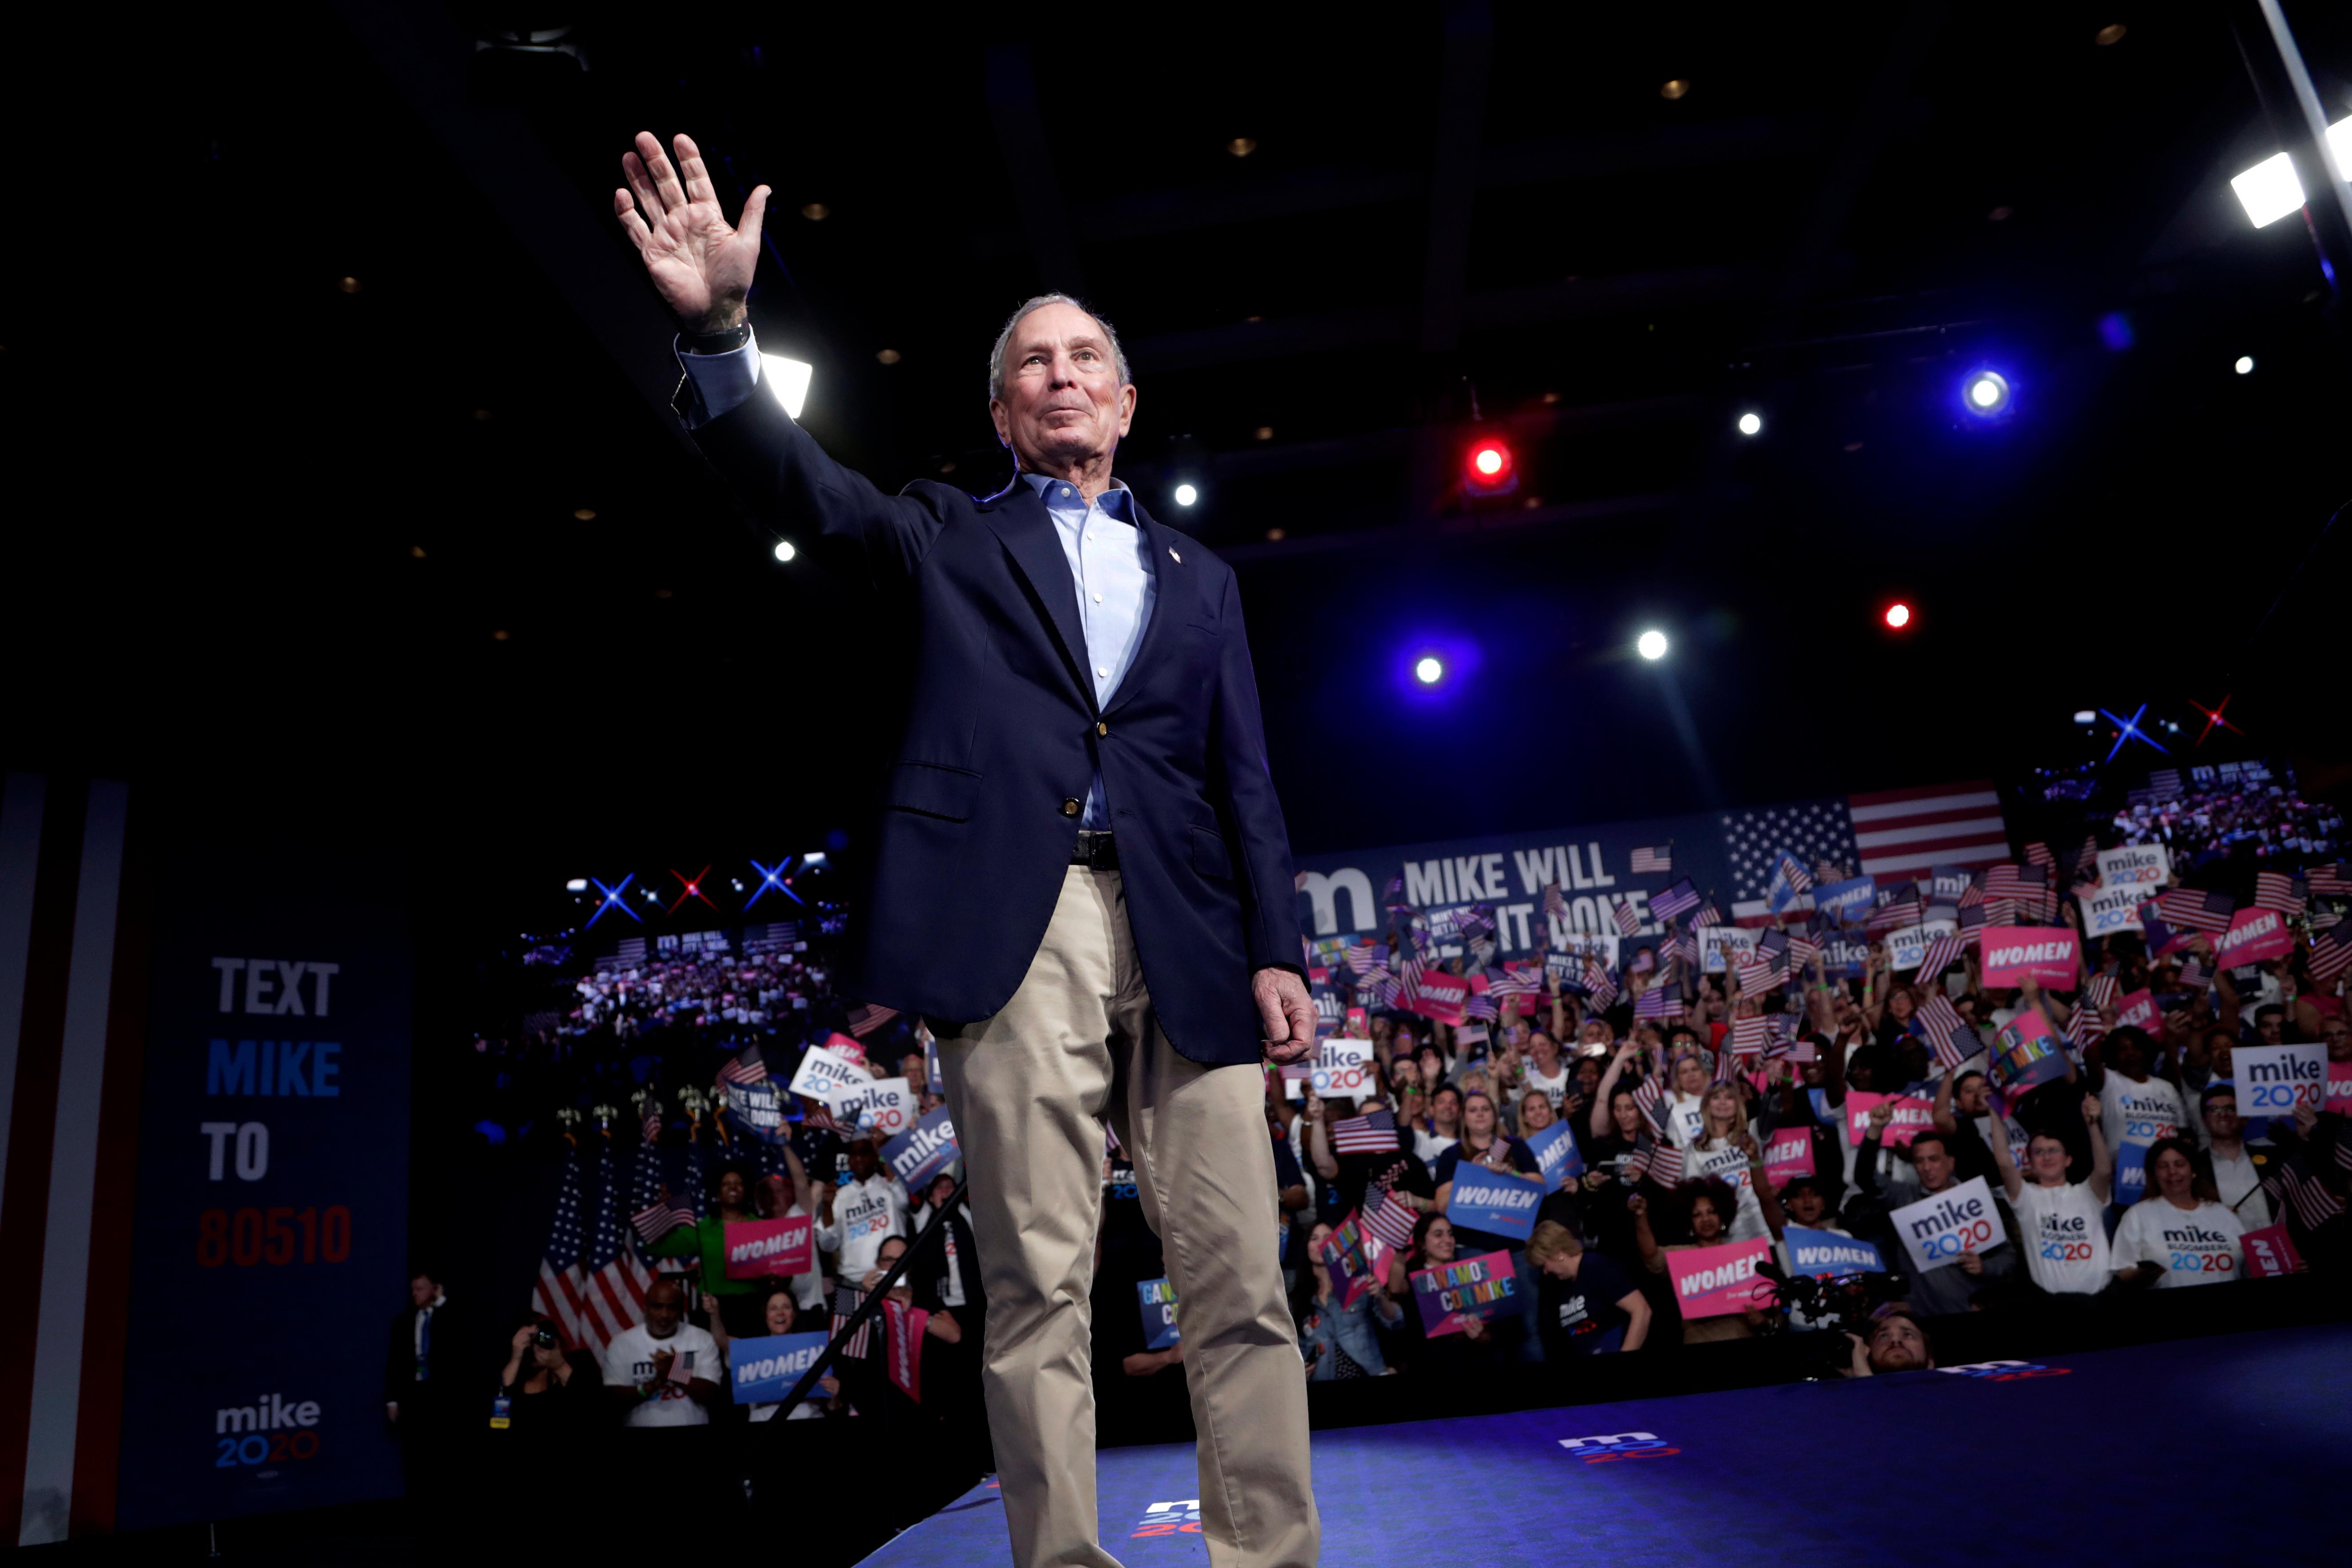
(1101, 728)
(1069, 808)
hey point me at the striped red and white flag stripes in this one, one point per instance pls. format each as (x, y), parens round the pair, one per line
(1903, 832)
(74, 946)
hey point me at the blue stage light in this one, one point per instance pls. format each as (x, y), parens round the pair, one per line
(1985, 394)
(1429, 670)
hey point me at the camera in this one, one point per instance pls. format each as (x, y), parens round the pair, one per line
(1842, 1304)
(544, 1338)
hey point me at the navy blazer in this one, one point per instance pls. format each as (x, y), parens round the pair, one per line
(1003, 737)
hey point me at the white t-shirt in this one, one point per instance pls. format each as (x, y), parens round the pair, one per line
(865, 1215)
(629, 1362)
(2139, 1113)
(2193, 1247)
(2239, 1182)
(1428, 1146)
(2065, 1237)
(1729, 1161)
(1684, 1120)
(1555, 1087)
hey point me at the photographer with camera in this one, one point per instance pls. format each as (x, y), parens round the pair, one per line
(544, 1389)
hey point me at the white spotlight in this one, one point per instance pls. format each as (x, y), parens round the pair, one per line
(2086, 715)
(1186, 495)
(1987, 393)
(789, 380)
(784, 550)
(2245, 365)
(1751, 424)
(577, 885)
(1428, 672)
(1650, 645)
(2270, 190)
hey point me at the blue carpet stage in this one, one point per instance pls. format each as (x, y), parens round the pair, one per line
(2192, 1451)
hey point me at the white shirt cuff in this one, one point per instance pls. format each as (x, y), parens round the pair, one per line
(719, 382)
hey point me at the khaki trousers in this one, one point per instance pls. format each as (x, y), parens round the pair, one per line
(1030, 1090)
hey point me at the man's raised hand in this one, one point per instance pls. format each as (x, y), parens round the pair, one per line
(701, 266)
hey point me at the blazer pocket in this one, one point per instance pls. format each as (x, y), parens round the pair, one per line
(933, 791)
(1208, 856)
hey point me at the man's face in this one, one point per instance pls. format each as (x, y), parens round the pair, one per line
(2222, 1118)
(665, 1309)
(2047, 1156)
(2338, 1033)
(2126, 1056)
(2269, 1026)
(1970, 1096)
(862, 1161)
(1897, 1345)
(1063, 403)
(422, 1289)
(1933, 1163)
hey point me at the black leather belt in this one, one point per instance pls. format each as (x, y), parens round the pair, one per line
(1095, 849)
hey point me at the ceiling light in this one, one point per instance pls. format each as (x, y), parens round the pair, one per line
(1186, 495)
(2245, 365)
(817, 211)
(2000, 215)
(584, 514)
(784, 550)
(2086, 715)
(1241, 146)
(888, 356)
(1751, 424)
(1265, 432)
(1674, 89)
(498, 636)
(1650, 645)
(2113, 33)
(1429, 671)
(2270, 190)
(789, 380)
(417, 550)
(348, 285)
(1898, 616)
(1275, 535)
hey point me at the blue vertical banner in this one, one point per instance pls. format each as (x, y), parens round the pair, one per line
(270, 1237)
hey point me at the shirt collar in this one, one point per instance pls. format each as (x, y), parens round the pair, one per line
(1118, 501)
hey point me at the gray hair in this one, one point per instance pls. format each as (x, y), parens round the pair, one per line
(1037, 302)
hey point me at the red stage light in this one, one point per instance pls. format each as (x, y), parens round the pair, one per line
(1898, 615)
(1487, 468)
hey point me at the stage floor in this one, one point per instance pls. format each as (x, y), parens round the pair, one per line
(2184, 1452)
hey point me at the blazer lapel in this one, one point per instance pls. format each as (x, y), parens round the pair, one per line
(1019, 519)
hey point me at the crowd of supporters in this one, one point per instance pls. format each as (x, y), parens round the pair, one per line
(1677, 1111)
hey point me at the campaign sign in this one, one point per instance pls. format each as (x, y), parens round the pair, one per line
(880, 1107)
(1909, 1119)
(1906, 946)
(2130, 1180)
(1844, 955)
(1720, 945)
(1716, 1281)
(1501, 1202)
(2138, 1009)
(2273, 1079)
(2107, 911)
(2134, 865)
(825, 1072)
(1556, 1154)
(1449, 1295)
(1156, 1298)
(762, 1371)
(1442, 997)
(1940, 1227)
(1945, 884)
(2163, 940)
(2340, 1087)
(1789, 1156)
(1847, 902)
(757, 1248)
(923, 1150)
(2255, 936)
(934, 1079)
(1340, 1068)
(1355, 1259)
(758, 1110)
(2026, 1052)
(2048, 955)
(1825, 1254)
(2270, 1253)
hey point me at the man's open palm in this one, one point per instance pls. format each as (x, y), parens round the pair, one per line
(702, 266)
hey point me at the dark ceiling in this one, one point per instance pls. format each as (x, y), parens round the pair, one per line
(335, 537)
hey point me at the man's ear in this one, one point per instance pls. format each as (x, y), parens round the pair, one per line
(998, 417)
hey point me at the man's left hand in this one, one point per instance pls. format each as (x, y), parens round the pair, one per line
(1287, 1013)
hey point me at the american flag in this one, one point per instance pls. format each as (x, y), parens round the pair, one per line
(1803, 953)
(1392, 1222)
(1478, 921)
(1787, 880)
(2331, 953)
(1755, 975)
(597, 1293)
(1659, 1161)
(2196, 973)
(1650, 1001)
(1480, 1005)
(1374, 1133)
(2335, 879)
(2192, 909)
(1556, 902)
(864, 1021)
(1972, 924)
(2007, 881)
(1363, 955)
(1755, 843)
(1509, 981)
(1899, 911)
(744, 1067)
(2277, 890)
(1685, 946)
(2099, 991)
(652, 1125)
(1939, 1021)
(2086, 1028)
(1392, 896)
(2038, 854)
(1726, 1068)
(1650, 1099)
(1972, 897)
(658, 1219)
(1750, 1036)
(2164, 782)
(1943, 951)
(2291, 1184)
(846, 1298)
(1706, 915)
(1628, 917)
(1678, 899)
(1600, 986)
(1407, 989)
(1657, 862)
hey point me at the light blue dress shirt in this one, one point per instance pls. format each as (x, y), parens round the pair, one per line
(1100, 539)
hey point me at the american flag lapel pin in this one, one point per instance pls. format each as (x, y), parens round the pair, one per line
(1173, 557)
